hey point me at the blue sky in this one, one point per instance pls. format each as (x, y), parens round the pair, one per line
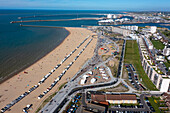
(140, 5)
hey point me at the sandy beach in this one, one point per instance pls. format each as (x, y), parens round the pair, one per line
(22, 82)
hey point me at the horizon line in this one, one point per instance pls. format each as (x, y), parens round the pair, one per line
(85, 10)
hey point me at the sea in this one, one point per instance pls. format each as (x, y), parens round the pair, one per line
(21, 46)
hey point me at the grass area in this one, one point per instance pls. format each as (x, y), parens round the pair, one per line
(62, 85)
(154, 105)
(46, 101)
(49, 98)
(167, 64)
(132, 56)
(158, 104)
(157, 44)
(118, 88)
(113, 70)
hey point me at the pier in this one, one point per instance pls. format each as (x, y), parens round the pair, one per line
(55, 20)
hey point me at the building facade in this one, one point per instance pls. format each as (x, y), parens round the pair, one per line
(161, 81)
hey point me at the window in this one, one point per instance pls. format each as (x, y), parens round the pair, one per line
(160, 83)
(148, 70)
(155, 79)
(151, 70)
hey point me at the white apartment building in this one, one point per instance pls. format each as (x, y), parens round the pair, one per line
(161, 81)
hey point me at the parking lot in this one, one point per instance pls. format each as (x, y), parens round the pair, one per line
(74, 104)
(133, 77)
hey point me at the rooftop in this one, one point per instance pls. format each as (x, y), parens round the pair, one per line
(104, 97)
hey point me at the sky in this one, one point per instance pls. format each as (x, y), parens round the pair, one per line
(131, 5)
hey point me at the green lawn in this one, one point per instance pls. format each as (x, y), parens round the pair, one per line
(154, 105)
(157, 44)
(132, 56)
(62, 85)
(167, 64)
(45, 102)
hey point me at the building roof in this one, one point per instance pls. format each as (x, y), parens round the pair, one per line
(98, 97)
(121, 97)
(103, 98)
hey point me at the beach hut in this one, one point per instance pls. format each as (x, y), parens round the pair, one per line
(90, 72)
(83, 81)
(104, 74)
(85, 76)
(93, 80)
(101, 69)
(105, 78)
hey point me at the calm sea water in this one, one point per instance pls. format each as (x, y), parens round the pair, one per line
(22, 46)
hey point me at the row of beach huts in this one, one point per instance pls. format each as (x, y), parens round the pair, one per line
(64, 71)
(8, 106)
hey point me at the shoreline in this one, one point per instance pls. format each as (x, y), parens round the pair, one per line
(30, 64)
(22, 82)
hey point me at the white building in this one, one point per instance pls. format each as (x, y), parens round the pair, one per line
(114, 16)
(83, 81)
(159, 79)
(166, 50)
(106, 21)
(165, 85)
(133, 28)
(93, 80)
(134, 36)
(168, 59)
(148, 43)
(153, 29)
(109, 16)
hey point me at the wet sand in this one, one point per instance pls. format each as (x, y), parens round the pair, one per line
(22, 82)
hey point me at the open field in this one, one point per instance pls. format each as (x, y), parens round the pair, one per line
(132, 56)
(157, 44)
